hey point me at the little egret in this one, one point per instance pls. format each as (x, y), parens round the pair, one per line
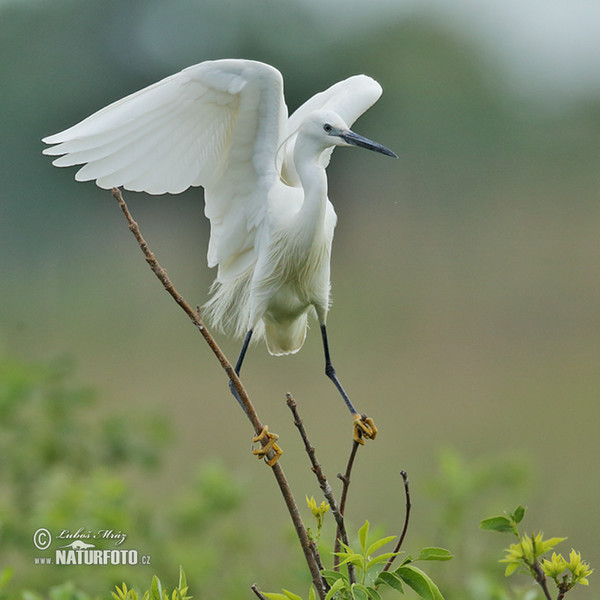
(224, 125)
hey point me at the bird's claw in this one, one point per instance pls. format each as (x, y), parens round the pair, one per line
(270, 445)
(364, 428)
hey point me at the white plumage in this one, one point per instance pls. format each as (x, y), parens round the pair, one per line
(224, 125)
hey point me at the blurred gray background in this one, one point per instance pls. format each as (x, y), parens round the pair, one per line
(466, 274)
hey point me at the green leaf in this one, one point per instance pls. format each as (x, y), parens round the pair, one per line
(332, 576)
(363, 533)
(391, 580)
(518, 514)
(501, 524)
(360, 592)
(419, 582)
(432, 553)
(290, 595)
(381, 558)
(275, 596)
(546, 545)
(182, 579)
(355, 559)
(336, 587)
(156, 589)
(120, 593)
(312, 595)
(511, 568)
(373, 594)
(378, 544)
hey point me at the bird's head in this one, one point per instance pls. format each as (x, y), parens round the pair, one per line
(327, 128)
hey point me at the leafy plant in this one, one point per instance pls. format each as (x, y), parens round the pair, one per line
(156, 591)
(318, 512)
(69, 591)
(526, 555)
(372, 571)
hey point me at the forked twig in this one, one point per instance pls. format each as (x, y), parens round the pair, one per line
(391, 559)
(321, 478)
(249, 409)
(541, 579)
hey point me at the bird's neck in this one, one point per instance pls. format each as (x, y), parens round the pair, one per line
(314, 184)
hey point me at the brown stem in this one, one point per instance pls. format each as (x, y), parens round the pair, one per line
(391, 559)
(317, 469)
(540, 577)
(320, 475)
(255, 589)
(249, 409)
(317, 555)
(345, 485)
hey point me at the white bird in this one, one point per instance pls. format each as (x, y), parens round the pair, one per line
(224, 125)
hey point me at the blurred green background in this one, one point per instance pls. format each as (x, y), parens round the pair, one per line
(466, 275)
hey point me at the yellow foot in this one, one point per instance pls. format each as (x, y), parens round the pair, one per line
(364, 428)
(270, 445)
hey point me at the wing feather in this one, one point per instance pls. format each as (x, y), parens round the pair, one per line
(217, 124)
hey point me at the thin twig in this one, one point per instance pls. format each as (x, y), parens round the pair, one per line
(345, 485)
(538, 572)
(391, 559)
(255, 589)
(189, 311)
(320, 475)
(249, 409)
(317, 469)
(317, 555)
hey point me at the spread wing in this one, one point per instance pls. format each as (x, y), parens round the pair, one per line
(349, 98)
(217, 124)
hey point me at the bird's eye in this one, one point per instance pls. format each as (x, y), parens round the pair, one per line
(328, 128)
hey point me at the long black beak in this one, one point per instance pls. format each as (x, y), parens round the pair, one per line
(362, 142)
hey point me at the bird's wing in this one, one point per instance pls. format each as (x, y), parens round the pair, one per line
(216, 124)
(349, 98)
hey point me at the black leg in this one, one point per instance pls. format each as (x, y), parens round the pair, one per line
(238, 364)
(240, 360)
(330, 371)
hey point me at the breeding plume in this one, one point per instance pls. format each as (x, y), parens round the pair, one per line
(223, 125)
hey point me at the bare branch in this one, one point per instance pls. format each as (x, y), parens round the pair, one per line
(388, 564)
(318, 471)
(317, 555)
(192, 314)
(259, 595)
(249, 409)
(345, 485)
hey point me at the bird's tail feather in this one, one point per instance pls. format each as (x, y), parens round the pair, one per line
(285, 338)
(228, 309)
